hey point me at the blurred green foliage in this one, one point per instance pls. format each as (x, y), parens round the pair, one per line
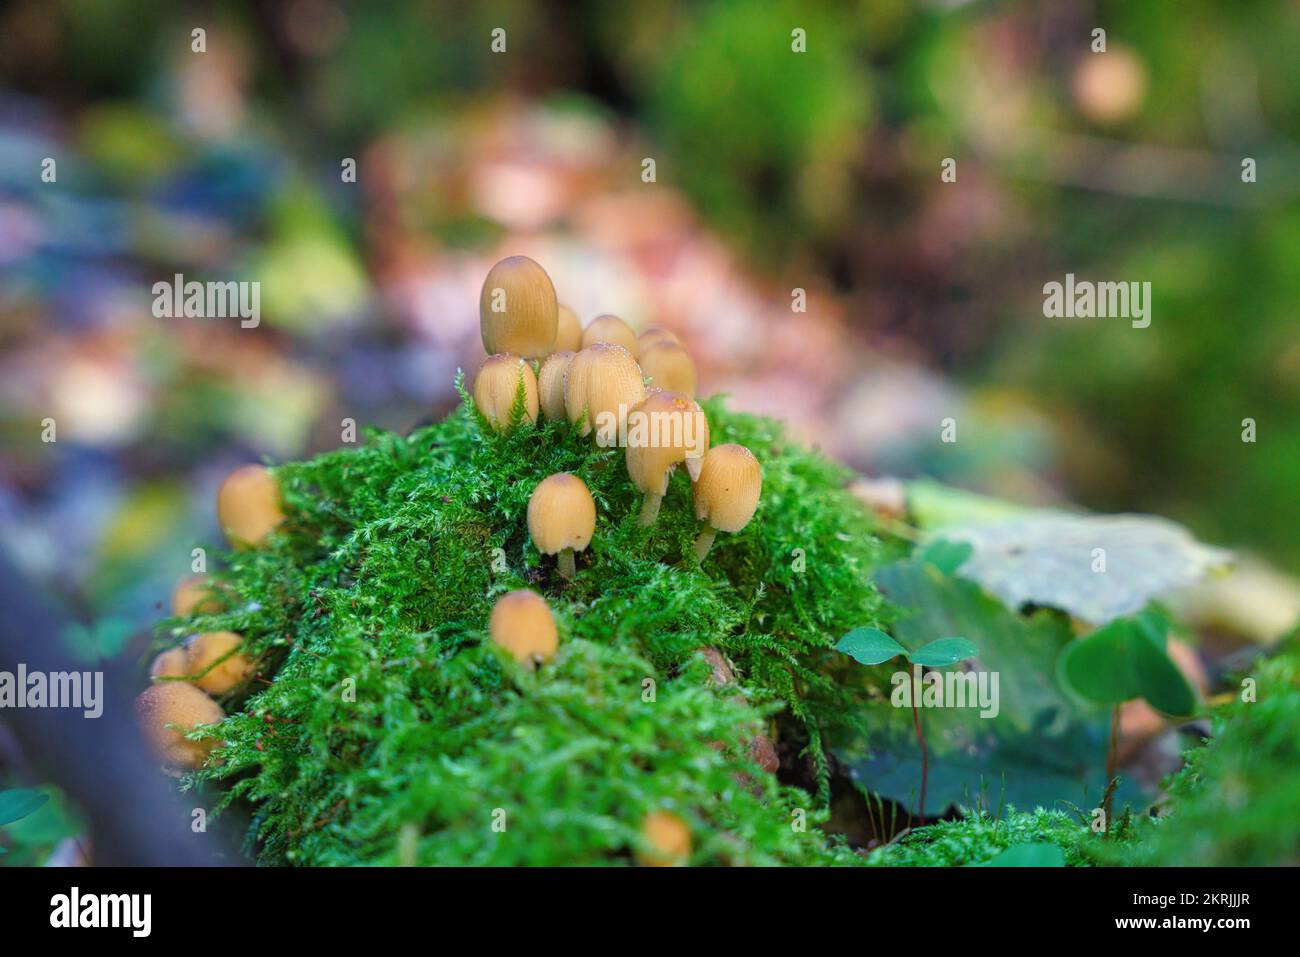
(826, 163)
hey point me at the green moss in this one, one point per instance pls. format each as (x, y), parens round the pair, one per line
(385, 727)
(979, 837)
(1236, 801)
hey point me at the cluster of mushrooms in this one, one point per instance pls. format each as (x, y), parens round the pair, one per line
(565, 372)
(212, 663)
(594, 375)
(536, 346)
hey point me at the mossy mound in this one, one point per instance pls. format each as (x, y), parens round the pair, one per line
(384, 727)
(1235, 801)
(979, 837)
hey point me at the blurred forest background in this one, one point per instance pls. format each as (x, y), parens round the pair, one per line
(775, 171)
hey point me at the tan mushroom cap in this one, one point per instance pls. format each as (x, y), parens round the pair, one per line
(185, 706)
(726, 493)
(667, 840)
(550, 385)
(666, 430)
(496, 386)
(653, 336)
(669, 366)
(518, 313)
(601, 378)
(523, 625)
(204, 651)
(561, 514)
(195, 595)
(169, 664)
(568, 333)
(612, 329)
(248, 505)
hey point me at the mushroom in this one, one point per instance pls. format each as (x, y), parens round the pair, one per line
(726, 493)
(608, 328)
(603, 381)
(666, 840)
(497, 385)
(169, 664)
(568, 332)
(517, 309)
(561, 518)
(214, 658)
(248, 505)
(550, 385)
(195, 595)
(669, 366)
(184, 706)
(655, 335)
(666, 430)
(523, 625)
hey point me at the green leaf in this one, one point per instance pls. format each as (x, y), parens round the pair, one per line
(1160, 681)
(946, 556)
(1097, 667)
(1043, 746)
(19, 803)
(1126, 660)
(935, 506)
(870, 646)
(1028, 855)
(943, 652)
(1050, 558)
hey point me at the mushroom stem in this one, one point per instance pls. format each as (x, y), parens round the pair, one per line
(564, 562)
(705, 541)
(650, 508)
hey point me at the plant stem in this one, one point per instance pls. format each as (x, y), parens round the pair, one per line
(705, 542)
(1112, 762)
(650, 508)
(925, 754)
(564, 562)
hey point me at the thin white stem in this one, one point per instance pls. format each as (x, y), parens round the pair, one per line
(650, 508)
(705, 542)
(564, 561)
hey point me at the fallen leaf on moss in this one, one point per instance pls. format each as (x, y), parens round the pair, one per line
(1096, 567)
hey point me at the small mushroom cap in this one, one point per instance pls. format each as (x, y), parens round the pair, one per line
(203, 651)
(523, 625)
(608, 328)
(726, 493)
(181, 704)
(550, 385)
(561, 514)
(496, 385)
(195, 595)
(169, 664)
(528, 316)
(568, 333)
(248, 505)
(655, 335)
(664, 431)
(667, 840)
(601, 378)
(669, 366)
